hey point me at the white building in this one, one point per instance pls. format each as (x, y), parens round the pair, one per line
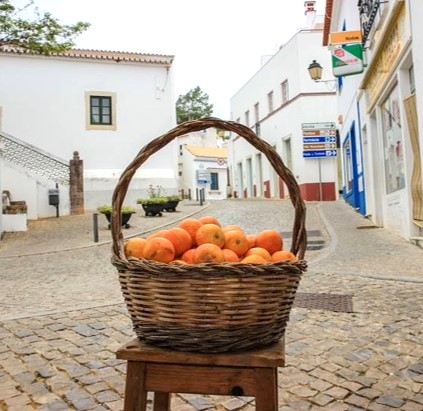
(202, 163)
(279, 102)
(104, 105)
(384, 109)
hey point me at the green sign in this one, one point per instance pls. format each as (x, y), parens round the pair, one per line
(347, 59)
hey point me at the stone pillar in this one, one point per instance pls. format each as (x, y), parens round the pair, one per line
(76, 184)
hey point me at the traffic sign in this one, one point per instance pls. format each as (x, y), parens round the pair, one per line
(314, 126)
(319, 153)
(320, 139)
(203, 181)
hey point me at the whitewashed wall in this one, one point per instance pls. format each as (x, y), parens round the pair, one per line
(43, 103)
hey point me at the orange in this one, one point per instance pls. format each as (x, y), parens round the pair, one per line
(262, 252)
(188, 256)
(254, 259)
(160, 233)
(208, 219)
(251, 240)
(208, 253)
(236, 241)
(271, 240)
(180, 239)
(134, 247)
(191, 225)
(159, 249)
(284, 255)
(210, 233)
(231, 227)
(230, 256)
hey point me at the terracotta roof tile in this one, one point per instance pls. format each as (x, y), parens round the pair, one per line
(104, 55)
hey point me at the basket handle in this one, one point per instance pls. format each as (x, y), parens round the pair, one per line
(299, 235)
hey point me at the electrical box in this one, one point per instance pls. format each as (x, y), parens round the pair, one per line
(53, 197)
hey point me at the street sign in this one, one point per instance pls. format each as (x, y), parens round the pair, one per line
(319, 153)
(319, 140)
(203, 181)
(314, 126)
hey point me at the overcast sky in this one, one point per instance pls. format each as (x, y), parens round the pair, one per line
(217, 44)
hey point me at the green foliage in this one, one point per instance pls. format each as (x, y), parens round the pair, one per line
(44, 34)
(193, 105)
(104, 209)
(173, 198)
(152, 200)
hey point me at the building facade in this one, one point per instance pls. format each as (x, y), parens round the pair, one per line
(202, 164)
(381, 107)
(104, 105)
(285, 107)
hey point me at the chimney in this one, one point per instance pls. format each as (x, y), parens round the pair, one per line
(310, 13)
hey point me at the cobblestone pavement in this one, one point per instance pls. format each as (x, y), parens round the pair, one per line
(62, 317)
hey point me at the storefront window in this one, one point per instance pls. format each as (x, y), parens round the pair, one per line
(392, 143)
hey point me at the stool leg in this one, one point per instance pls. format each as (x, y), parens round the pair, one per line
(266, 389)
(161, 401)
(135, 394)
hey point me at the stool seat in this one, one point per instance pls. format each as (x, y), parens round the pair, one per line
(165, 371)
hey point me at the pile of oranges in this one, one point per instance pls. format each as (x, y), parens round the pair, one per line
(204, 240)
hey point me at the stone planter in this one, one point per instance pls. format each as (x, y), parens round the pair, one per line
(171, 205)
(153, 209)
(125, 218)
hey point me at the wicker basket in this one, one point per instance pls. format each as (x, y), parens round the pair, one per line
(209, 307)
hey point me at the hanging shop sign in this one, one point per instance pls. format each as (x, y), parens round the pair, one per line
(368, 12)
(347, 53)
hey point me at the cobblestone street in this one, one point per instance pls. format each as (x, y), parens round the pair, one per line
(62, 316)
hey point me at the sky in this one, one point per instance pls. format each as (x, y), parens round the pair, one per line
(218, 45)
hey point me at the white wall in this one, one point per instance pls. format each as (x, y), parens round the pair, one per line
(43, 101)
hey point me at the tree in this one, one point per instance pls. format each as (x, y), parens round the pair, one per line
(193, 105)
(44, 34)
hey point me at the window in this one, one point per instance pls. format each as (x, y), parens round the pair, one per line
(100, 110)
(270, 101)
(285, 91)
(247, 118)
(392, 143)
(256, 112)
(214, 181)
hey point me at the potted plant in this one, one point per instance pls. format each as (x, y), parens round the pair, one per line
(171, 203)
(153, 205)
(126, 212)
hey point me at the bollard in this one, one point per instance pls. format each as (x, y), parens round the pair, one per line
(189, 194)
(197, 198)
(95, 227)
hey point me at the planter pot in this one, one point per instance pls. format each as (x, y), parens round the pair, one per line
(151, 210)
(125, 218)
(171, 205)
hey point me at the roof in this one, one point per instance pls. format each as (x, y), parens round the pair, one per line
(105, 55)
(214, 152)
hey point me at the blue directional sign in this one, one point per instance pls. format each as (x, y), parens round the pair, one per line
(319, 140)
(319, 153)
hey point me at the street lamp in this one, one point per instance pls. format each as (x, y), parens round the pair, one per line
(315, 70)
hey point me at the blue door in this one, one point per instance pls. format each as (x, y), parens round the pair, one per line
(353, 190)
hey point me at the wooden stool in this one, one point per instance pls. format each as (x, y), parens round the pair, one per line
(163, 371)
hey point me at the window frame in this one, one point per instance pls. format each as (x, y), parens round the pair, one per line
(88, 110)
